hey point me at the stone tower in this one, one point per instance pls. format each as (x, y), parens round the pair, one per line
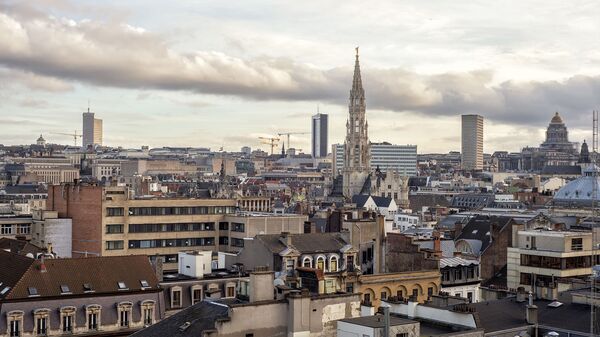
(356, 146)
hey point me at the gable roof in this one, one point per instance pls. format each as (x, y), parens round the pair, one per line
(305, 243)
(19, 246)
(360, 199)
(102, 273)
(382, 201)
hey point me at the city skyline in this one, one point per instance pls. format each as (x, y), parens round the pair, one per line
(210, 75)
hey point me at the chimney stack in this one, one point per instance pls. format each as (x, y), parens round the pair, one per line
(532, 313)
(261, 284)
(42, 265)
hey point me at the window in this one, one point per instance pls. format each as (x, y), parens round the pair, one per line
(175, 297)
(114, 229)
(307, 262)
(430, 292)
(41, 319)
(237, 227)
(223, 240)
(93, 316)
(6, 230)
(384, 295)
(320, 263)
(415, 293)
(399, 294)
(64, 289)
(15, 323)
(349, 287)
(350, 263)
(124, 309)
(147, 308)
(88, 288)
(223, 226)
(144, 284)
(196, 294)
(235, 242)
(577, 244)
(32, 291)
(67, 319)
(289, 264)
(458, 274)
(122, 285)
(115, 211)
(114, 245)
(402, 334)
(333, 265)
(470, 297)
(231, 291)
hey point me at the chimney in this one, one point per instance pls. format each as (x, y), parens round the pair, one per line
(521, 295)
(261, 285)
(457, 229)
(437, 244)
(42, 265)
(532, 314)
(285, 238)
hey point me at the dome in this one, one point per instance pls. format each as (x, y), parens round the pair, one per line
(556, 119)
(580, 192)
(41, 139)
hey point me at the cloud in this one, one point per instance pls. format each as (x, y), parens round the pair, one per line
(45, 52)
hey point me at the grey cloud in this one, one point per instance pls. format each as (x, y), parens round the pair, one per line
(117, 55)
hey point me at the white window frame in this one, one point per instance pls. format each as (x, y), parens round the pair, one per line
(121, 308)
(337, 263)
(173, 290)
(310, 259)
(65, 312)
(17, 317)
(196, 287)
(144, 306)
(41, 314)
(321, 257)
(93, 309)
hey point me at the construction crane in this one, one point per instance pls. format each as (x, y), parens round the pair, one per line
(291, 133)
(75, 135)
(272, 141)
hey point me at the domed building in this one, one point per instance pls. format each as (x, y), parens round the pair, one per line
(41, 141)
(555, 153)
(580, 192)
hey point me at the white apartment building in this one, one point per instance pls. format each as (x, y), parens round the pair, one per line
(386, 156)
(540, 258)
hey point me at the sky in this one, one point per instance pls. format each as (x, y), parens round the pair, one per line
(223, 73)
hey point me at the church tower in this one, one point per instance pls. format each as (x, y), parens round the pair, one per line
(357, 162)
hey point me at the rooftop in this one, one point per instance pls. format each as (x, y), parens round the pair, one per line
(377, 321)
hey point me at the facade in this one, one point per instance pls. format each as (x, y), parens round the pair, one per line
(269, 311)
(107, 222)
(52, 233)
(388, 157)
(13, 226)
(460, 278)
(320, 134)
(373, 326)
(540, 258)
(356, 146)
(323, 263)
(113, 296)
(104, 169)
(401, 285)
(472, 142)
(92, 129)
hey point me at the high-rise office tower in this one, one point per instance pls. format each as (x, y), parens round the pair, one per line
(319, 135)
(472, 142)
(92, 129)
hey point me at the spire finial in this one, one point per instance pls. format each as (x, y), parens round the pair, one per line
(88, 105)
(356, 52)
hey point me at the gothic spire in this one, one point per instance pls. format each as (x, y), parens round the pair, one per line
(357, 88)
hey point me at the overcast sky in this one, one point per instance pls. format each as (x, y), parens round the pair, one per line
(222, 73)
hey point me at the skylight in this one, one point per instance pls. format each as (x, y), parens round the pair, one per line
(64, 289)
(122, 286)
(475, 231)
(4, 291)
(32, 291)
(145, 284)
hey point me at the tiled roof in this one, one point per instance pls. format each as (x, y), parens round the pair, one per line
(103, 274)
(457, 261)
(305, 243)
(19, 246)
(12, 268)
(479, 228)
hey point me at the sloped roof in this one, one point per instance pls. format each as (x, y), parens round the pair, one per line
(561, 169)
(457, 261)
(12, 268)
(192, 321)
(19, 246)
(381, 201)
(479, 228)
(305, 243)
(360, 199)
(103, 273)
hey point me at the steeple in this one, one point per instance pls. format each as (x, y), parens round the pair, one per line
(357, 94)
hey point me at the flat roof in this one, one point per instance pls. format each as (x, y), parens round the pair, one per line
(377, 321)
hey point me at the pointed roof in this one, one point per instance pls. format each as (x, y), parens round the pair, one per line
(357, 88)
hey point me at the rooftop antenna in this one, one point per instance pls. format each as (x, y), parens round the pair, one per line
(88, 105)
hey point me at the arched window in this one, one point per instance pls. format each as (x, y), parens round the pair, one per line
(321, 263)
(333, 263)
(307, 262)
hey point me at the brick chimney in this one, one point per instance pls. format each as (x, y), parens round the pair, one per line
(437, 244)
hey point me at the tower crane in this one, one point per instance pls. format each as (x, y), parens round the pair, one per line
(272, 141)
(75, 135)
(291, 133)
